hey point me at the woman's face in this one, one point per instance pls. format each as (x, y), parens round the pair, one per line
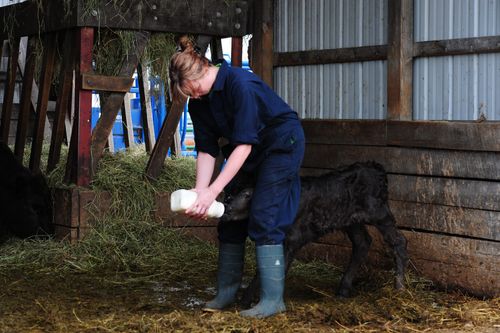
(201, 87)
(198, 88)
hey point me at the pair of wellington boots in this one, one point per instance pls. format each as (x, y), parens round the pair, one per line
(271, 265)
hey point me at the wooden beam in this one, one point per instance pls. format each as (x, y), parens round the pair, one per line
(10, 86)
(63, 100)
(476, 45)
(49, 54)
(261, 46)
(465, 222)
(236, 51)
(359, 132)
(209, 17)
(78, 167)
(465, 193)
(164, 141)
(321, 57)
(25, 106)
(106, 83)
(112, 105)
(476, 136)
(128, 126)
(399, 60)
(408, 161)
(146, 108)
(216, 49)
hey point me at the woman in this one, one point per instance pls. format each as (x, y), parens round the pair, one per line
(266, 139)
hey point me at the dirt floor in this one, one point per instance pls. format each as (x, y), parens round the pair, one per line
(158, 301)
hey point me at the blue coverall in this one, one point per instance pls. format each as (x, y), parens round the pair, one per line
(243, 109)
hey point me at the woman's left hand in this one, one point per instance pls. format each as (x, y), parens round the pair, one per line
(199, 209)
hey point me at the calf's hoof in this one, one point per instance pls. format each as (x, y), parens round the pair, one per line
(343, 293)
(399, 284)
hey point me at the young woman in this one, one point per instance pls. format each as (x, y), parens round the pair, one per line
(266, 139)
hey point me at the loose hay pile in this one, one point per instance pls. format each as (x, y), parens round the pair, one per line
(133, 275)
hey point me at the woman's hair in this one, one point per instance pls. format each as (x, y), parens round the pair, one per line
(186, 64)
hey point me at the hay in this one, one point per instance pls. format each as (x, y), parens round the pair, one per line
(131, 274)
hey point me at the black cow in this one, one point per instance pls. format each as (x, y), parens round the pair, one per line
(347, 199)
(25, 200)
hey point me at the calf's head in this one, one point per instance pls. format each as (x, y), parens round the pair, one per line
(237, 207)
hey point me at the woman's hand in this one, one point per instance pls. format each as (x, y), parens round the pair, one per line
(199, 209)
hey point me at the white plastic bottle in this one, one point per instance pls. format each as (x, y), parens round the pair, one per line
(181, 200)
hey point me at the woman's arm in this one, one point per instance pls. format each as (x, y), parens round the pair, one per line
(205, 164)
(208, 194)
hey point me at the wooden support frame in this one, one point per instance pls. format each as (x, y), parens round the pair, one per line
(25, 104)
(78, 166)
(112, 105)
(63, 102)
(128, 126)
(321, 57)
(8, 99)
(146, 108)
(209, 17)
(236, 51)
(106, 83)
(261, 49)
(400, 60)
(49, 55)
(165, 137)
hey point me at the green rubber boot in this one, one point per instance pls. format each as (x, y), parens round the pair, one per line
(230, 271)
(271, 265)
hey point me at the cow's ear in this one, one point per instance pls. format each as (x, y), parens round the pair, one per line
(21, 182)
(40, 181)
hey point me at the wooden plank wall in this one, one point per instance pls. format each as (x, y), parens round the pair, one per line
(443, 176)
(444, 191)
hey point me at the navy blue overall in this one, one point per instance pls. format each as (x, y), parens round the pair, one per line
(244, 110)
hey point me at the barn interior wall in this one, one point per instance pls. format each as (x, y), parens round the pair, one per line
(446, 88)
(444, 177)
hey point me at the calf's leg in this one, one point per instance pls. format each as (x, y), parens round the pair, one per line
(361, 242)
(397, 241)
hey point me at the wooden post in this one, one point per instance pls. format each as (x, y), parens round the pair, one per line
(25, 106)
(167, 132)
(79, 162)
(216, 49)
(261, 50)
(8, 98)
(236, 51)
(146, 108)
(63, 101)
(43, 100)
(400, 60)
(128, 126)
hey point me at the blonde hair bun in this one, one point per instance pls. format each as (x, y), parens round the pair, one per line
(185, 44)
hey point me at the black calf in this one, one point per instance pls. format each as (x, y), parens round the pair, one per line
(25, 201)
(347, 199)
